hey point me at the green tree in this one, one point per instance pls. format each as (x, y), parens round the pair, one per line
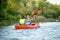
(3, 6)
(50, 13)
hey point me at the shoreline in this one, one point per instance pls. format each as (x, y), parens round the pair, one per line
(7, 23)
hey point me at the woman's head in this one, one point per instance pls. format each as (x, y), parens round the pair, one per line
(22, 17)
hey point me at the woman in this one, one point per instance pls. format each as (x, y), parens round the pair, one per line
(22, 20)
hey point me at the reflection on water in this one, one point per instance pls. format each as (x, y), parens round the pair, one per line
(47, 31)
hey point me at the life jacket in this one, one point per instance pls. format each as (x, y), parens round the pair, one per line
(22, 21)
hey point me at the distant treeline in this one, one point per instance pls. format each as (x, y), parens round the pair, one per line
(11, 10)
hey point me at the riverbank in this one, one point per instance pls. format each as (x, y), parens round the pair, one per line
(7, 23)
(46, 20)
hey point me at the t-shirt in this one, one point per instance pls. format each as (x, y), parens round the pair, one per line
(27, 22)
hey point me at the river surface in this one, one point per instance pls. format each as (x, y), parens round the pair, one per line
(47, 31)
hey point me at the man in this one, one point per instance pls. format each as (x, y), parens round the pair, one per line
(27, 22)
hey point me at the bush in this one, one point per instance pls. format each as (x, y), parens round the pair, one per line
(50, 13)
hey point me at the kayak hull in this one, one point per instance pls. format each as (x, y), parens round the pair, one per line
(27, 26)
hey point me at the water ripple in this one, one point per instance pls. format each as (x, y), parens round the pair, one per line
(47, 31)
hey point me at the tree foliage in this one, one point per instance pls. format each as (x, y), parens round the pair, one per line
(13, 9)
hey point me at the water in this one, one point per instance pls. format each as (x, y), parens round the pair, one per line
(47, 31)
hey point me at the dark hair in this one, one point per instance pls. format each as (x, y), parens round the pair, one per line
(22, 17)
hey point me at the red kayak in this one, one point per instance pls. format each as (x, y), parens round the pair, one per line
(27, 26)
